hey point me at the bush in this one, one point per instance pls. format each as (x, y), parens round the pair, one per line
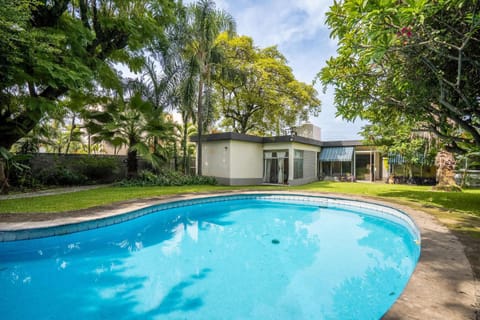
(167, 178)
(61, 176)
(20, 174)
(97, 169)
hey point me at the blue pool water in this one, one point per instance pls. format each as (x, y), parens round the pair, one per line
(237, 259)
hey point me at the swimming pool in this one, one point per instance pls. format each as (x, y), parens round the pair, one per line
(256, 256)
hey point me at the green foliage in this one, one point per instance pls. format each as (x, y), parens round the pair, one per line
(60, 176)
(416, 61)
(134, 122)
(167, 178)
(204, 23)
(51, 48)
(79, 170)
(417, 148)
(15, 170)
(258, 90)
(97, 169)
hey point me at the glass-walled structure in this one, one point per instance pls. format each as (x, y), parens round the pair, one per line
(350, 163)
(337, 163)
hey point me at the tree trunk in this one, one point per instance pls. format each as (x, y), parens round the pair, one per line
(445, 163)
(184, 146)
(200, 126)
(175, 156)
(132, 165)
(4, 186)
(70, 136)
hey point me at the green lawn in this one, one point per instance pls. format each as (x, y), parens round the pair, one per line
(465, 202)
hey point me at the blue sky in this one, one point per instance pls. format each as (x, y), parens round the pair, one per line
(298, 28)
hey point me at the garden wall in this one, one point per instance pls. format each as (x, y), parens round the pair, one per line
(76, 169)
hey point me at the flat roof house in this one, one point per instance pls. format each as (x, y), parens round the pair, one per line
(240, 159)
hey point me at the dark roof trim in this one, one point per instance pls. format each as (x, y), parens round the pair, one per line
(298, 139)
(256, 139)
(228, 136)
(343, 143)
(249, 138)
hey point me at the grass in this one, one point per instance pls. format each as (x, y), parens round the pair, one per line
(464, 202)
(460, 211)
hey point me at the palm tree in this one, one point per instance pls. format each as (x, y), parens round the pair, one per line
(132, 121)
(205, 24)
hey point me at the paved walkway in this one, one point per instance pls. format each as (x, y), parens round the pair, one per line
(441, 287)
(49, 192)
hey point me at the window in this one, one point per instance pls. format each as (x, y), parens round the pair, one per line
(275, 169)
(298, 165)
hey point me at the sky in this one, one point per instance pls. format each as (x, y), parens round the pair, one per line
(298, 29)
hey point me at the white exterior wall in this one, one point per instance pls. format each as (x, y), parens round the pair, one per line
(235, 162)
(216, 158)
(246, 160)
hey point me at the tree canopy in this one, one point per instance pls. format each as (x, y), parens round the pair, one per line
(49, 49)
(258, 91)
(409, 61)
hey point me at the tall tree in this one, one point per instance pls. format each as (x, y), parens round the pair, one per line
(411, 59)
(206, 23)
(49, 48)
(258, 89)
(180, 75)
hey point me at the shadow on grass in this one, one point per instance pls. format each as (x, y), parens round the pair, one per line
(454, 201)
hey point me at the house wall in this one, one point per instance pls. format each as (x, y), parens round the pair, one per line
(233, 162)
(309, 160)
(246, 159)
(216, 159)
(309, 163)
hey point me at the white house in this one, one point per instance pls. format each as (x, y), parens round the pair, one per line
(240, 159)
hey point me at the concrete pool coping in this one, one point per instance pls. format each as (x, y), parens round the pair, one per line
(442, 285)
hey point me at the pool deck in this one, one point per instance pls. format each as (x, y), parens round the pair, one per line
(441, 287)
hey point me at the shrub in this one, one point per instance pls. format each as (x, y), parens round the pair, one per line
(97, 169)
(19, 173)
(61, 176)
(167, 178)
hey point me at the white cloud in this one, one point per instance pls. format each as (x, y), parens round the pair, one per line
(281, 21)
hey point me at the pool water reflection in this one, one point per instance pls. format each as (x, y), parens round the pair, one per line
(238, 259)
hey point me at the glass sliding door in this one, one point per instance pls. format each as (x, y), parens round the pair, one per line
(275, 168)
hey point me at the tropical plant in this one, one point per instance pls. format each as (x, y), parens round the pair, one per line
(50, 49)
(8, 163)
(167, 178)
(415, 148)
(205, 23)
(133, 122)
